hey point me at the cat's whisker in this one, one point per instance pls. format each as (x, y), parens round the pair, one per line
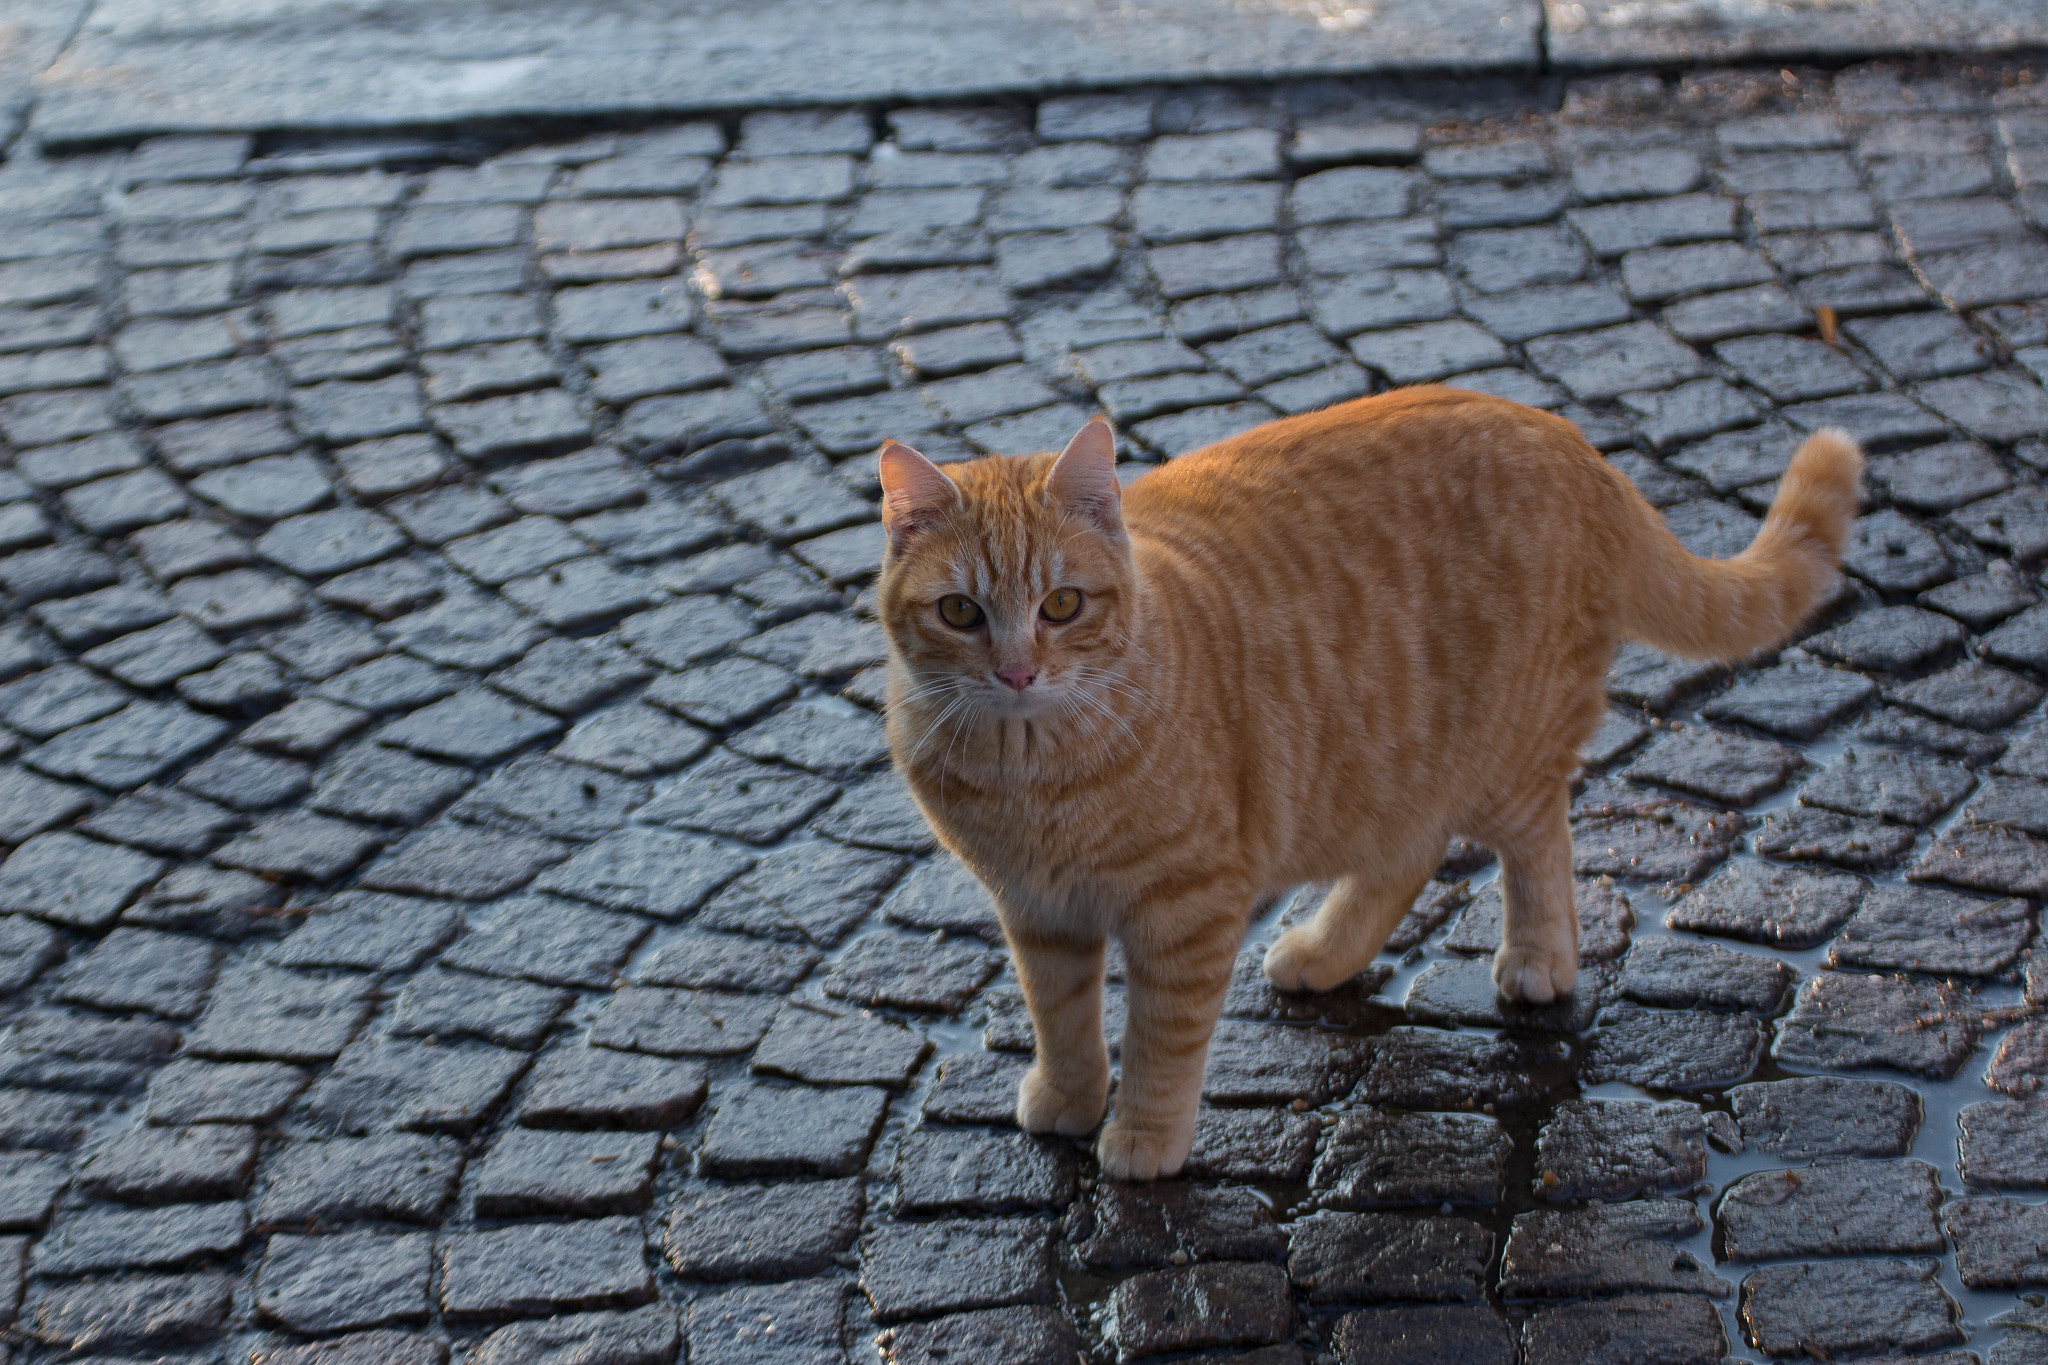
(1112, 683)
(962, 697)
(1080, 694)
(921, 688)
(1111, 679)
(946, 760)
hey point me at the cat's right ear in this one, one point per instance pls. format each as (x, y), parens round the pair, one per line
(1083, 479)
(915, 493)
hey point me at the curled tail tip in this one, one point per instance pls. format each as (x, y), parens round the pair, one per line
(1823, 488)
(1832, 454)
(1728, 609)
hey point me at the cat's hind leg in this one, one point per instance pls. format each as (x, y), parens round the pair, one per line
(1538, 961)
(1347, 932)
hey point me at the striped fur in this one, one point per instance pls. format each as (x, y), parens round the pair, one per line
(1310, 653)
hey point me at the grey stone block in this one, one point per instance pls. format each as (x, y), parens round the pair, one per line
(135, 1313)
(1921, 929)
(383, 1085)
(97, 1239)
(1849, 1306)
(803, 1319)
(172, 1165)
(777, 1231)
(1612, 1149)
(1606, 1249)
(1169, 1224)
(2002, 1144)
(544, 1268)
(1835, 1208)
(191, 1091)
(401, 1178)
(580, 1174)
(1203, 1306)
(352, 1280)
(1827, 1116)
(1465, 1334)
(773, 1130)
(1772, 905)
(1673, 1049)
(1678, 1328)
(1847, 1021)
(953, 1170)
(643, 1336)
(1352, 1258)
(264, 1013)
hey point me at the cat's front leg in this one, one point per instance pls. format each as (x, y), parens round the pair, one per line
(1176, 977)
(1067, 1086)
(1538, 961)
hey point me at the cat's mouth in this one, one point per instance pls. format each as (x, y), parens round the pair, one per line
(1041, 698)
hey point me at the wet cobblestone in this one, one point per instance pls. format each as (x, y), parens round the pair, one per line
(455, 906)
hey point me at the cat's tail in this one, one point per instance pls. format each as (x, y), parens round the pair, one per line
(1726, 608)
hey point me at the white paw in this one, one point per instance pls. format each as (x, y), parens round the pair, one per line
(1043, 1107)
(1534, 976)
(1296, 962)
(1127, 1151)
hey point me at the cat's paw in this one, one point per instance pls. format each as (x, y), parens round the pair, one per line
(1297, 962)
(1043, 1107)
(1534, 976)
(1128, 1151)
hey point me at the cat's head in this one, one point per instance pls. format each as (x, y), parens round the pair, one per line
(1007, 583)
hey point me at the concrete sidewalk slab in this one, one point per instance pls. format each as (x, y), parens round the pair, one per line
(140, 66)
(32, 33)
(1589, 33)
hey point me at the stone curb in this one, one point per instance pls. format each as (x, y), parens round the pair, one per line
(86, 75)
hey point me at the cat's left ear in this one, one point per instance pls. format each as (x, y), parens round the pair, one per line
(1083, 478)
(915, 492)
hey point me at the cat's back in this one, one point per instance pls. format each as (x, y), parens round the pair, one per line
(1428, 458)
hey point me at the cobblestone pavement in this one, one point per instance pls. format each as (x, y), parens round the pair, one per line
(457, 905)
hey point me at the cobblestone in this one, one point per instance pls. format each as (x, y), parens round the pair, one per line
(1673, 1049)
(143, 1239)
(543, 1268)
(1384, 1159)
(1634, 1327)
(1604, 1249)
(344, 1282)
(2002, 1145)
(1849, 1306)
(1925, 930)
(1352, 1258)
(766, 1232)
(1848, 1021)
(444, 694)
(1437, 1334)
(403, 1178)
(172, 1165)
(1774, 905)
(1998, 1243)
(1824, 1116)
(1602, 1149)
(1843, 1208)
(382, 1086)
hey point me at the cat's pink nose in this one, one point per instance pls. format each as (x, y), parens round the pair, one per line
(1018, 676)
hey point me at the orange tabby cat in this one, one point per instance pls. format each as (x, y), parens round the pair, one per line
(1309, 653)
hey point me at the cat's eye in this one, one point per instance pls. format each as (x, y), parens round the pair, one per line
(961, 613)
(1062, 605)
